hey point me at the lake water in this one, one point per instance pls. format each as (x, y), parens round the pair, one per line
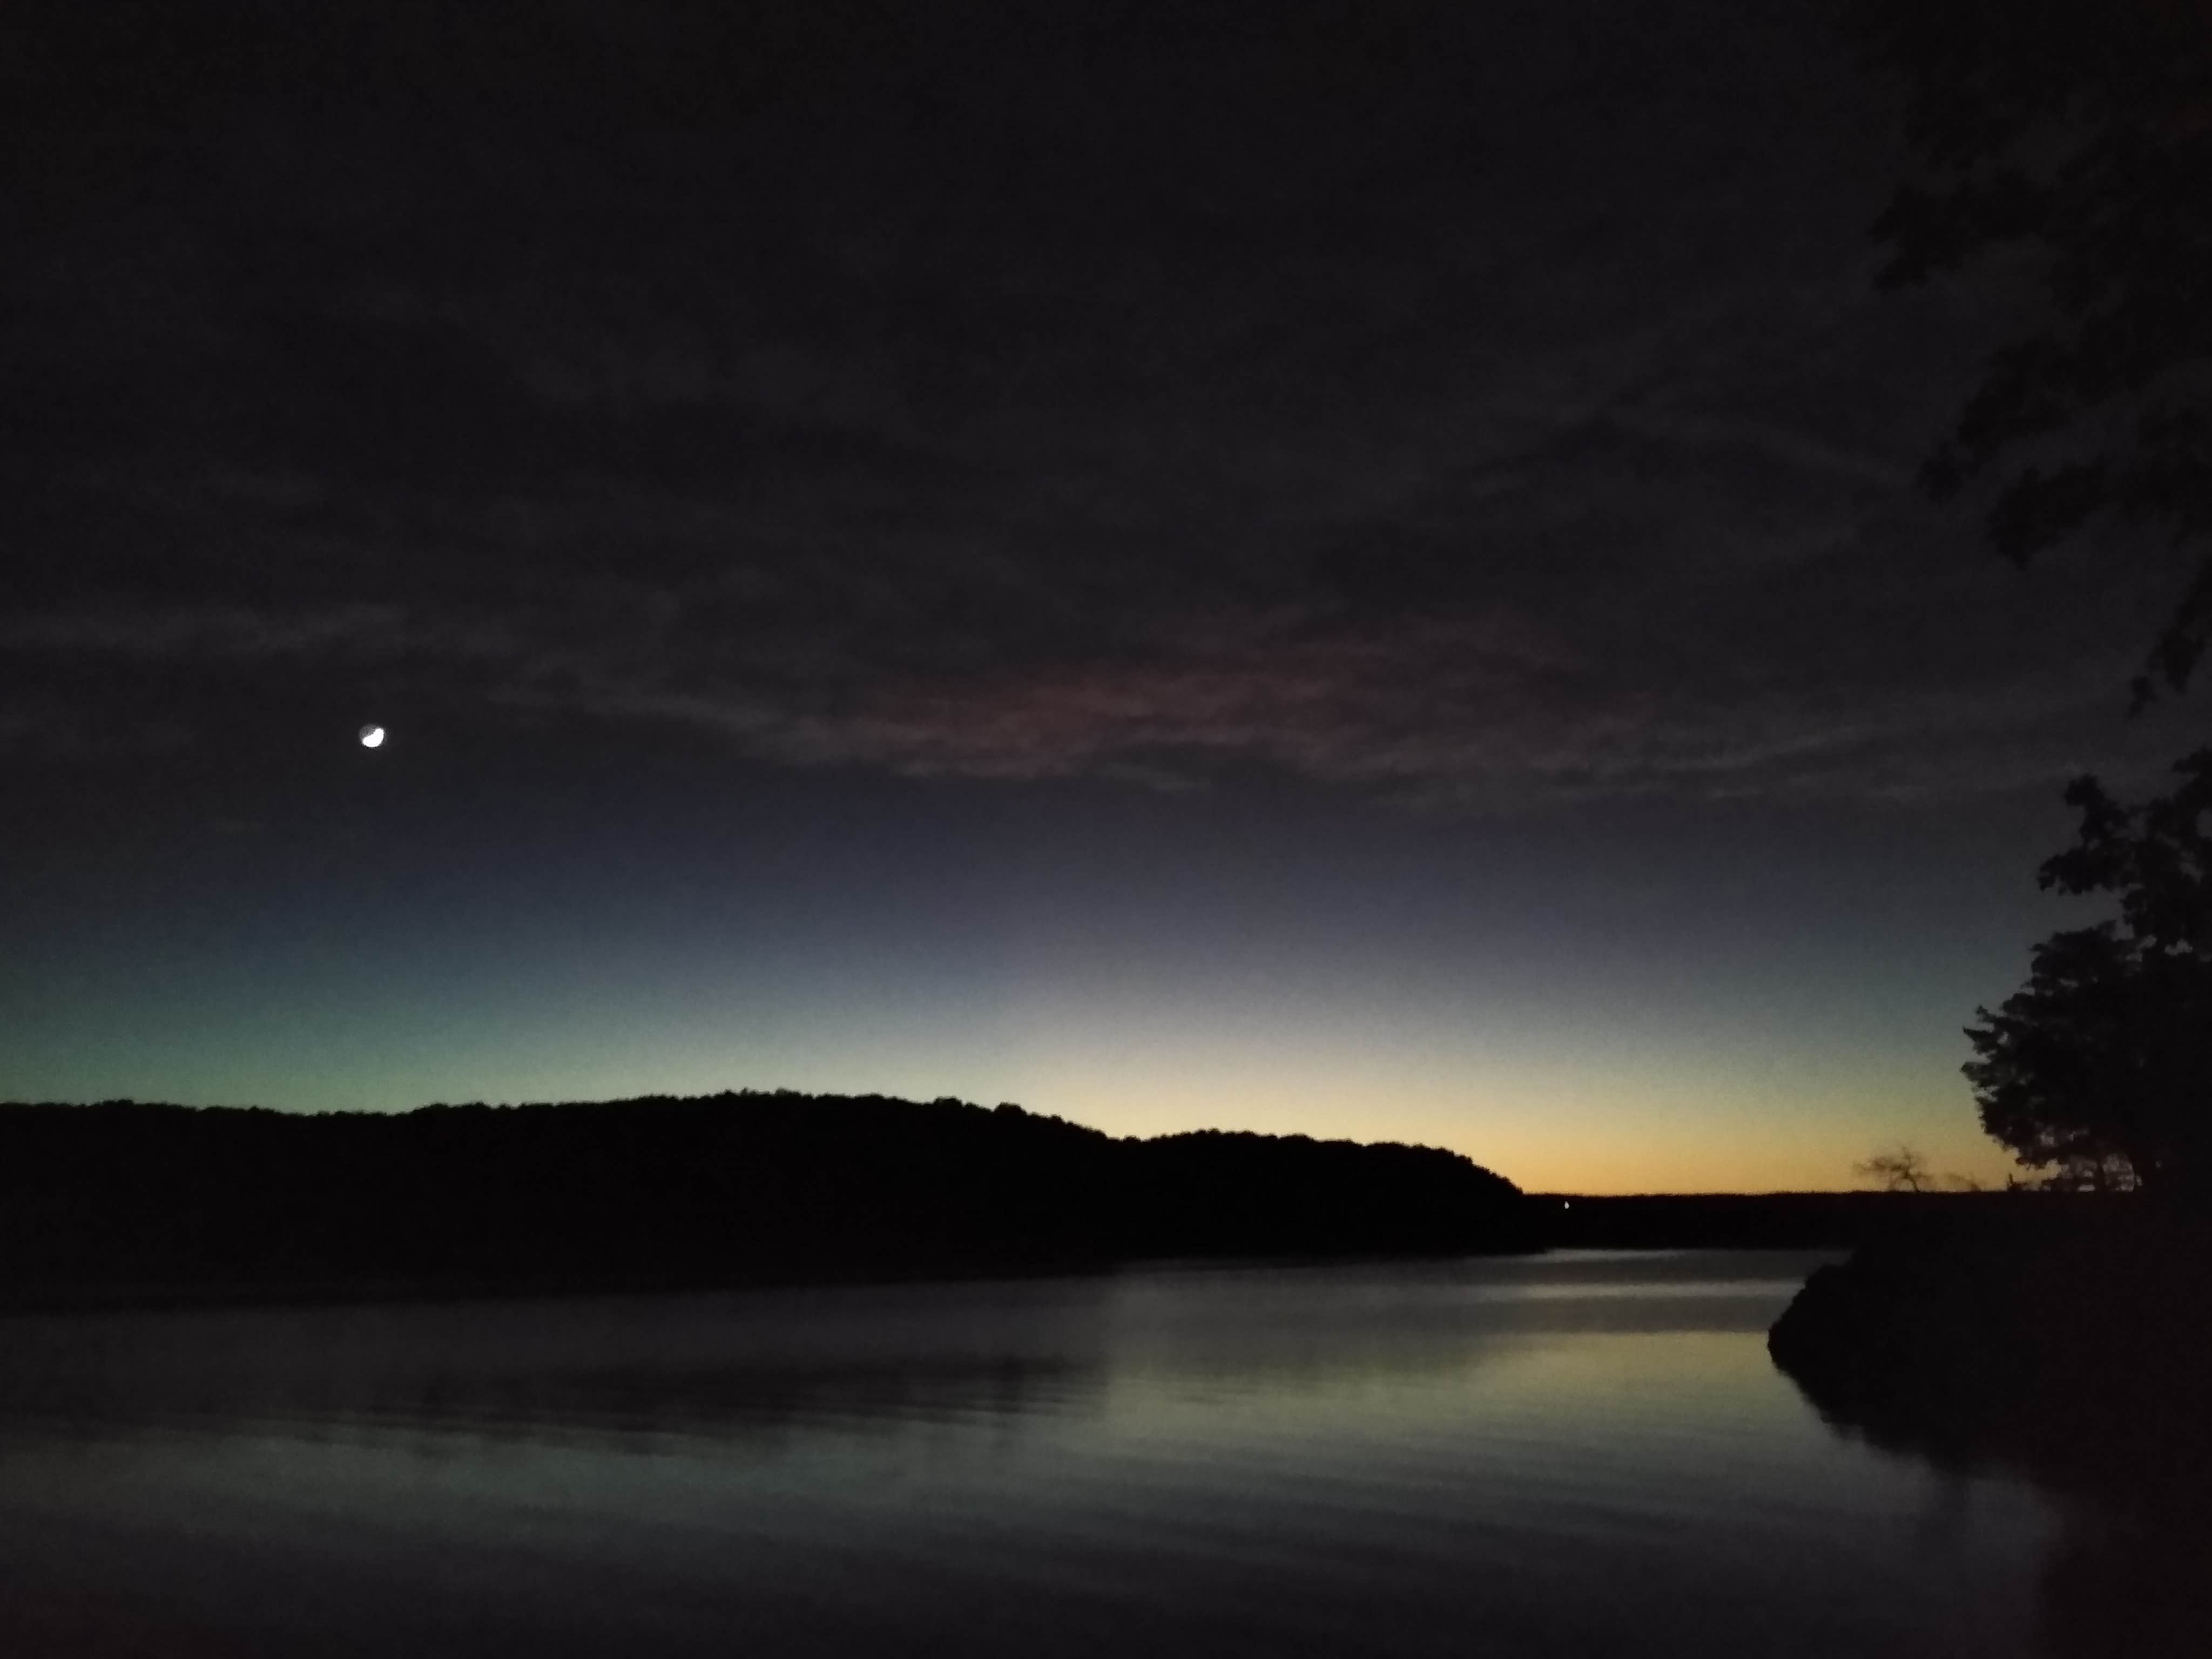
(1580, 1454)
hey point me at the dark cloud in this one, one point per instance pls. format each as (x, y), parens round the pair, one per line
(1475, 403)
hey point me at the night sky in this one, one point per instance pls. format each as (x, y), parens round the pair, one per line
(1341, 569)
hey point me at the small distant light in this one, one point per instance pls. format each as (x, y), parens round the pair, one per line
(371, 737)
(1566, 1204)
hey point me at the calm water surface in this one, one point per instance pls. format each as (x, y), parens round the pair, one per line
(1586, 1453)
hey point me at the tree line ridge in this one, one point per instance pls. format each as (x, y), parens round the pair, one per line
(121, 1197)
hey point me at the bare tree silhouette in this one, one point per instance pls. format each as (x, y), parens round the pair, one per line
(1899, 1169)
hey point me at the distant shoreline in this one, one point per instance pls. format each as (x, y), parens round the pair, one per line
(125, 1203)
(1838, 1220)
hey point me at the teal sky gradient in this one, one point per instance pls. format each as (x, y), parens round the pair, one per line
(1614, 999)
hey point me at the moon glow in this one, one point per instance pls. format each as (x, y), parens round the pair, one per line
(371, 737)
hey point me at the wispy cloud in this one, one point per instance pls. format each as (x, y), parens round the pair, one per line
(1412, 439)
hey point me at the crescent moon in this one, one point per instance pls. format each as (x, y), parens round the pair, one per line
(371, 737)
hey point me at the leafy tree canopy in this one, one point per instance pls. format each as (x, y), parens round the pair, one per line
(2078, 134)
(2101, 1067)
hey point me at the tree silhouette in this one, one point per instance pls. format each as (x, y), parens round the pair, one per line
(659, 1193)
(2101, 1067)
(2072, 138)
(1901, 1169)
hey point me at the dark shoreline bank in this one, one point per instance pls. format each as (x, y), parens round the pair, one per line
(2070, 1338)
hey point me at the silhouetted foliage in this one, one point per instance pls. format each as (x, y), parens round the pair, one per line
(1900, 1170)
(2100, 1068)
(2076, 134)
(658, 1191)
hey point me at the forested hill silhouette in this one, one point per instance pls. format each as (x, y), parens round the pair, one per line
(127, 1200)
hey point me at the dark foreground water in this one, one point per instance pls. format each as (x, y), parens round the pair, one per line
(1581, 1454)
